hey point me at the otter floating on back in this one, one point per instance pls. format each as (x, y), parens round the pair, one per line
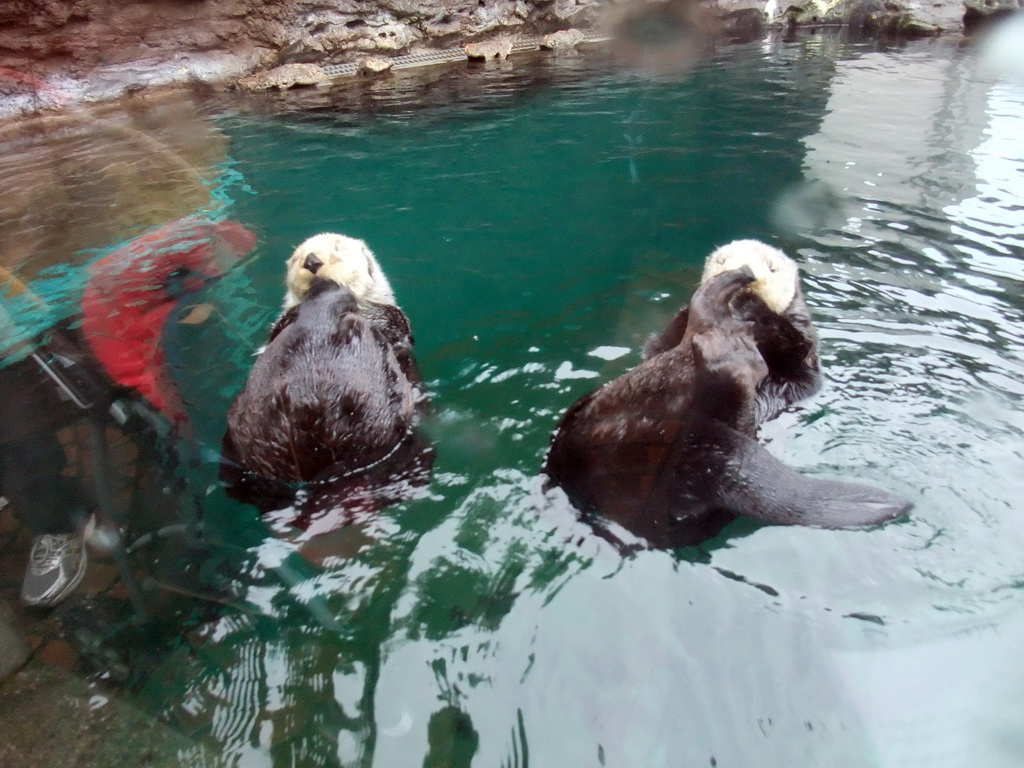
(668, 450)
(781, 324)
(335, 397)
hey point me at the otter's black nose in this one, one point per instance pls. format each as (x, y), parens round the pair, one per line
(313, 263)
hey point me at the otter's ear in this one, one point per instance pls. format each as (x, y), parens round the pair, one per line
(369, 261)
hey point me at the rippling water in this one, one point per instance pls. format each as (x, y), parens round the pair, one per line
(537, 220)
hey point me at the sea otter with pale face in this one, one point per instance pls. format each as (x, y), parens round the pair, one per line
(335, 397)
(668, 450)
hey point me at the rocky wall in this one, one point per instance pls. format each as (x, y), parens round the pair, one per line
(55, 52)
(51, 47)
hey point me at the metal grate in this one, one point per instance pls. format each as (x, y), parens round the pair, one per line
(441, 56)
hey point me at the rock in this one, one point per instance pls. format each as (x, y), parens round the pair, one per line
(496, 48)
(391, 37)
(875, 17)
(576, 10)
(565, 38)
(814, 12)
(94, 50)
(285, 76)
(377, 31)
(742, 24)
(979, 13)
(888, 18)
(912, 27)
(445, 24)
(374, 65)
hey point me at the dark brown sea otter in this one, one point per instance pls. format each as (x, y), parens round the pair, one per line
(780, 323)
(668, 450)
(332, 404)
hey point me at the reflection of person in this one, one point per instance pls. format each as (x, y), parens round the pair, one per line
(128, 298)
(32, 477)
(132, 292)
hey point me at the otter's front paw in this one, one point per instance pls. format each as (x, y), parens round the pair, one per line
(731, 355)
(711, 305)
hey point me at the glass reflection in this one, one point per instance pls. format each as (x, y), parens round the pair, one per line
(94, 436)
(484, 624)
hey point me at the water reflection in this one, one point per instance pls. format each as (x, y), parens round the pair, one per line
(33, 460)
(919, 325)
(95, 437)
(102, 376)
(83, 181)
(87, 179)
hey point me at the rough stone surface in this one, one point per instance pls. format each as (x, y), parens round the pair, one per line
(51, 50)
(980, 12)
(743, 23)
(56, 53)
(498, 48)
(887, 18)
(908, 18)
(13, 650)
(564, 38)
(51, 719)
(891, 17)
(285, 76)
(374, 65)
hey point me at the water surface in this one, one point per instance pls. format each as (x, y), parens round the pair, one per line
(537, 220)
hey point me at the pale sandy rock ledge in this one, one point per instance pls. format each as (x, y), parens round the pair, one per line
(285, 76)
(59, 52)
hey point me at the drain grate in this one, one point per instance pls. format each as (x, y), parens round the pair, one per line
(441, 56)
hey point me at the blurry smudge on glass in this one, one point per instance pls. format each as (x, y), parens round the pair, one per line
(1001, 47)
(806, 206)
(84, 181)
(664, 38)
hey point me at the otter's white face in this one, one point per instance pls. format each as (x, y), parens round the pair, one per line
(776, 277)
(344, 260)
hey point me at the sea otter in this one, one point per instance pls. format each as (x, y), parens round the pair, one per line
(781, 324)
(334, 399)
(668, 450)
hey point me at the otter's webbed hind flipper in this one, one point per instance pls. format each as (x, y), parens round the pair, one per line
(756, 484)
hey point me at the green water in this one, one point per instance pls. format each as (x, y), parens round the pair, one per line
(537, 221)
